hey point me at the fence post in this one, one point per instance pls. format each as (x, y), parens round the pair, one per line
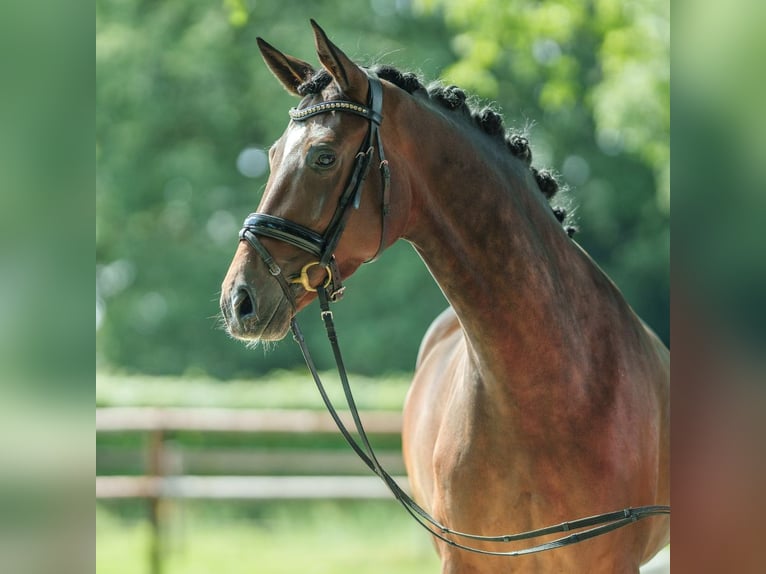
(156, 471)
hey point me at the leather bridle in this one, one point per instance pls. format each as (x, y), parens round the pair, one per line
(322, 246)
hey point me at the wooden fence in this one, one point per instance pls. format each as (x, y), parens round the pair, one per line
(165, 477)
(165, 473)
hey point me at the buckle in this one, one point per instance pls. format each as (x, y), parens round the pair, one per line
(337, 294)
(303, 278)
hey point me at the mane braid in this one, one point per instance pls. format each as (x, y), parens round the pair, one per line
(454, 99)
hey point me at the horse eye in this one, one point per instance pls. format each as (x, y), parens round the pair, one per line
(325, 159)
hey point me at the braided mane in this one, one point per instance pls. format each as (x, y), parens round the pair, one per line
(455, 99)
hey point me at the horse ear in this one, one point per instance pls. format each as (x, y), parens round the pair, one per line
(351, 79)
(292, 72)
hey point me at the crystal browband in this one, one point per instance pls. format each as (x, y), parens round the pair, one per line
(304, 113)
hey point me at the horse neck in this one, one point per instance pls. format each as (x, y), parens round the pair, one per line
(520, 287)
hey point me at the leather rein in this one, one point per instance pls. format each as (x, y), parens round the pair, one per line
(323, 247)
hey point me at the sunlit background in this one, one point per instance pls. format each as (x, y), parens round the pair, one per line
(185, 111)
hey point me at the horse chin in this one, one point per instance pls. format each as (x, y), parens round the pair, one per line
(255, 330)
(276, 331)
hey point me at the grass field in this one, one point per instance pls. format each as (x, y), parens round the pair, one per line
(326, 537)
(273, 538)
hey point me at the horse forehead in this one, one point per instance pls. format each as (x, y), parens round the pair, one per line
(291, 148)
(299, 137)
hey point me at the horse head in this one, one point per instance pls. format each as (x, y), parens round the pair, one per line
(320, 217)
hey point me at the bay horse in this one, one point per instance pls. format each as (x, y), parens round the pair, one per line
(538, 395)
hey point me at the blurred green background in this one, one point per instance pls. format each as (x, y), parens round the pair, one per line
(186, 108)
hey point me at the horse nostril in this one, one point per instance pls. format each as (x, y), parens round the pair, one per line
(242, 304)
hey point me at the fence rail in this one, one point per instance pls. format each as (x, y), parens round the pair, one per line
(122, 419)
(245, 487)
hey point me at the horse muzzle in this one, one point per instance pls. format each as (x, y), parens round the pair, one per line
(251, 315)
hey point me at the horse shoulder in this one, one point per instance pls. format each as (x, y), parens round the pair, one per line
(423, 409)
(443, 326)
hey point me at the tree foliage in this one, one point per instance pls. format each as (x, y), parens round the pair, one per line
(186, 108)
(590, 80)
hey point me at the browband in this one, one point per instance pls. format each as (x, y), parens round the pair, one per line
(341, 105)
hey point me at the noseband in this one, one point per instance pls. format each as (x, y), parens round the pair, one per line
(323, 245)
